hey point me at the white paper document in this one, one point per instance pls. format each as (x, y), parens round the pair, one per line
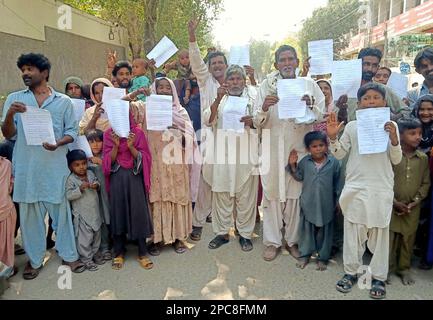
(159, 112)
(113, 94)
(398, 83)
(118, 115)
(79, 108)
(38, 126)
(372, 137)
(240, 55)
(163, 51)
(346, 78)
(290, 93)
(81, 143)
(234, 110)
(322, 56)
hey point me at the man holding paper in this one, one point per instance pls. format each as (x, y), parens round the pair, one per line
(281, 191)
(210, 77)
(40, 171)
(232, 176)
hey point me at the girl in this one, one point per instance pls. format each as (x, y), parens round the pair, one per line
(173, 185)
(126, 165)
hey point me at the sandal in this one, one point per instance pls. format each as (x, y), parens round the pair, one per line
(377, 290)
(118, 263)
(91, 266)
(346, 283)
(196, 233)
(217, 242)
(107, 256)
(153, 249)
(145, 262)
(76, 266)
(246, 244)
(98, 259)
(179, 247)
(30, 273)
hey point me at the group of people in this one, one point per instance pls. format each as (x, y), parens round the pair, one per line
(316, 191)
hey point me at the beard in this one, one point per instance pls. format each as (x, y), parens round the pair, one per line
(124, 84)
(367, 76)
(288, 73)
(236, 91)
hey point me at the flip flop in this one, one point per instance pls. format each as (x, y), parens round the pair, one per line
(30, 273)
(145, 262)
(179, 247)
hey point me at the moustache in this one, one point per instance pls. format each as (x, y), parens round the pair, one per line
(367, 75)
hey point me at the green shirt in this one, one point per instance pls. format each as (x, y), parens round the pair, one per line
(411, 184)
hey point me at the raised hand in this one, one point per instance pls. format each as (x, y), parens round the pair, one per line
(392, 130)
(115, 138)
(333, 126)
(222, 91)
(111, 58)
(305, 67)
(131, 140)
(247, 120)
(293, 158)
(269, 101)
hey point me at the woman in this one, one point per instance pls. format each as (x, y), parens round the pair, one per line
(326, 88)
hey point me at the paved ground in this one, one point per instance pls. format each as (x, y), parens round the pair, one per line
(227, 273)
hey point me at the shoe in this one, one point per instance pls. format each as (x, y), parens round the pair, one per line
(270, 253)
(196, 233)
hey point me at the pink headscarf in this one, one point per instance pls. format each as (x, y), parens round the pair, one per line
(124, 156)
(183, 122)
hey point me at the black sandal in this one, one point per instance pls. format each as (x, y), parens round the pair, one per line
(31, 273)
(377, 290)
(246, 244)
(346, 283)
(153, 250)
(217, 242)
(196, 233)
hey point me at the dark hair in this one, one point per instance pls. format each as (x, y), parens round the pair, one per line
(35, 60)
(85, 91)
(408, 124)
(216, 54)
(121, 65)
(426, 53)
(75, 155)
(285, 48)
(371, 86)
(94, 135)
(95, 84)
(313, 136)
(373, 52)
(387, 69)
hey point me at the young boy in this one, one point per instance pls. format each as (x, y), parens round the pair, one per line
(367, 197)
(95, 139)
(82, 191)
(412, 184)
(140, 80)
(319, 173)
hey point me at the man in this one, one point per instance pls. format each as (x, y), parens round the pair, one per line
(234, 181)
(281, 192)
(122, 73)
(424, 66)
(210, 77)
(382, 75)
(73, 87)
(371, 58)
(40, 171)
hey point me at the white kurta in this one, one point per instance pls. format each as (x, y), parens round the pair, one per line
(239, 159)
(368, 193)
(279, 138)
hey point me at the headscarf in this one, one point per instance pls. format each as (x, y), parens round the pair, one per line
(427, 128)
(74, 80)
(99, 80)
(182, 121)
(329, 107)
(124, 156)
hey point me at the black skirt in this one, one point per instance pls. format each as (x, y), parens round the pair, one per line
(130, 213)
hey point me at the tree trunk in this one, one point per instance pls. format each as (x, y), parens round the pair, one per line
(150, 20)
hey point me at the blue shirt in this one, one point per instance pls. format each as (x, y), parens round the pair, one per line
(414, 94)
(40, 175)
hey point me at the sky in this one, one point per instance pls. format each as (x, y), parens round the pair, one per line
(271, 20)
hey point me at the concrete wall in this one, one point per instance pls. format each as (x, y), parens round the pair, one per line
(31, 26)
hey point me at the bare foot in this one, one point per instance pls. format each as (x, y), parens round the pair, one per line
(407, 279)
(302, 263)
(390, 279)
(293, 250)
(321, 266)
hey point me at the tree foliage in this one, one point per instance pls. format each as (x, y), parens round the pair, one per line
(334, 21)
(147, 21)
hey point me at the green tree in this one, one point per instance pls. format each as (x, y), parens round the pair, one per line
(334, 21)
(147, 21)
(260, 56)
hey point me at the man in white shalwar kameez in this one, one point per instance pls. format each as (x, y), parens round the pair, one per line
(233, 176)
(281, 192)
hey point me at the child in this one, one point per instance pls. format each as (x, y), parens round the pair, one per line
(95, 139)
(8, 219)
(412, 184)
(82, 191)
(126, 165)
(184, 76)
(319, 173)
(367, 197)
(140, 80)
